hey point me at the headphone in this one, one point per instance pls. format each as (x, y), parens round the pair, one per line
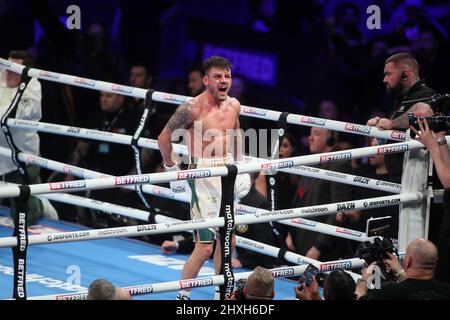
(404, 76)
(332, 139)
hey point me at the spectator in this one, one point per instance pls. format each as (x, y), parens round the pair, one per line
(97, 155)
(140, 77)
(339, 285)
(432, 58)
(286, 183)
(311, 192)
(414, 280)
(195, 80)
(440, 153)
(328, 110)
(260, 285)
(377, 163)
(102, 289)
(266, 17)
(29, 108)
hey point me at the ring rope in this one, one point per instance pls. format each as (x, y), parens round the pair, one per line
(86, 173)
(111, 208)
(181, 149)
(140, 230)
(180, 284)
(108, 182)
(295, 119)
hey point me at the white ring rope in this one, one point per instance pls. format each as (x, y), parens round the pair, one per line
(181, 149)
(86, 173)
(105, 207)
(311, 225)
(107, 182)
(300, 223)
(88, 134)
(295, 119)
(187, 225)
(218, 280)
(143, 215)
(134, 213)
(339, 177)
(272, 251)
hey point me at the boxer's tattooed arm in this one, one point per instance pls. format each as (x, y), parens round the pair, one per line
(182, 118)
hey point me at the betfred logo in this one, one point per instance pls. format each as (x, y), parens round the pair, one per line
(131, 180)
(195, 283)
(79, 296)
(73, 171)
(162, 192)
(330, 266)
(121, 89)
(277, 165)
(67, 185)
(392, 149)
(316, 121)
(250, 110)
(287, 272)
(244, 209)
(398, 135)
(39, 162)
(357, 128)
(308, 223)
(181, 175)
(47, 74)
(335, 157)
(349, 232)
(174, 97)
(85, 82)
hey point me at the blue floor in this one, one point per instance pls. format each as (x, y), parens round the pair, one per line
(57, 268)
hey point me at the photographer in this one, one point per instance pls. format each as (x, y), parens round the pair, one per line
(338, 285)
(260, 285)
(414, 281)
(440, 153)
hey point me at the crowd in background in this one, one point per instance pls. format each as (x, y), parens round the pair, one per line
(329, 64)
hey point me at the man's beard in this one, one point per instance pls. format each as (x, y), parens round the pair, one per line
(396, 90)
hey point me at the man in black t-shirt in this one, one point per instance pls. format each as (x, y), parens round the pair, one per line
(402, 80)
(414, 281)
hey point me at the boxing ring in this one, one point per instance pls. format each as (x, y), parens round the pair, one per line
(297, 217)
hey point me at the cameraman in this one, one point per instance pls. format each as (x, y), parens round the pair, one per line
(440, 153)
(260, 285)
(414, 281)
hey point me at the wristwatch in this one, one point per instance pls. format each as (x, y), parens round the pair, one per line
(399, 273)
(442, 141)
